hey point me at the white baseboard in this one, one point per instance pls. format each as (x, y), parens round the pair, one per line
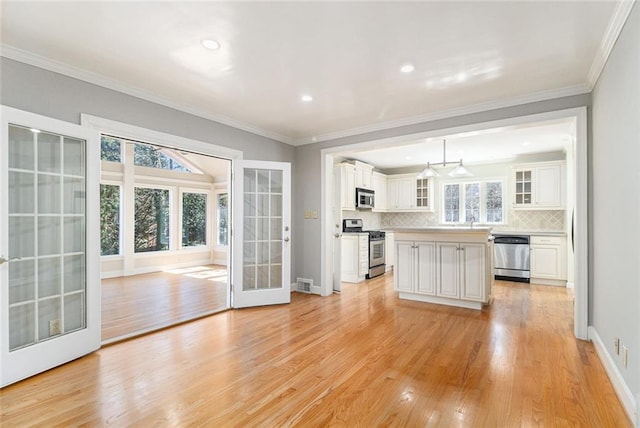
(111, 274)
(622, 390)
(222, 262)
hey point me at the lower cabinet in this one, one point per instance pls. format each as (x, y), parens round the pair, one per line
(416, 267)
(355, 257)
(548, 255)
(458, 274)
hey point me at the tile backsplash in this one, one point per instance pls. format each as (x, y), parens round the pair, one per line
(517, 220)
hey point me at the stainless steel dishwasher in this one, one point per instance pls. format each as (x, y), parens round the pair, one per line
(512, 257)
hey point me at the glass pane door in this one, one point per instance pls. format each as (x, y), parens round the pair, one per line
(44, 213)
(263, 217)
(46, 229)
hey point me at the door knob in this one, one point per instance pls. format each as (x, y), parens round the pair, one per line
(337, 235)
(286, 239)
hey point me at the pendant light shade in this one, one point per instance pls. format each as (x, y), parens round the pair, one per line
(458, 171)
(428, 172)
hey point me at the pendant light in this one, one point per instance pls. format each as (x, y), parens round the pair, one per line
(458, 171)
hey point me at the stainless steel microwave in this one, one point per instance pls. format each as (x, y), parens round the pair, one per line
(365, 198)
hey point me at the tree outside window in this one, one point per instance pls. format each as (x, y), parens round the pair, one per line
(109, 219)
(194, 219)
(478, 202)
(149, 156)
(110, 149)
(151, 220)
(223, 219)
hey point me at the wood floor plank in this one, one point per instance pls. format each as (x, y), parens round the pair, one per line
(359, 358)
(141, 303)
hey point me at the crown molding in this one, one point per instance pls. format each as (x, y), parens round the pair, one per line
(445, 114)
(29, 58)
(618, 19)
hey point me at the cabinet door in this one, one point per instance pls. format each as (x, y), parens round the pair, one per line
(545, 262)
(350, 258)
(425, 279)
(472, 271)
(348, 176)
(392, 193)
(379, 183)
(523, 192)
(448, 271)
(403, 271)
(363, 254)
(389, 247)
(406, 193)
(548, 186)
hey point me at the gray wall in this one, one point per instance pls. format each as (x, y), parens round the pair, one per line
(54, 95)
(308, 164)
(616, 200)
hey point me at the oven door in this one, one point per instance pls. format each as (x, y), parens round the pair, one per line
(376, 253)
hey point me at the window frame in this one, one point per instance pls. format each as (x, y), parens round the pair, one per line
(483, 200)
(171, 189)
(208, 228)
(218, 193)
(120, 218)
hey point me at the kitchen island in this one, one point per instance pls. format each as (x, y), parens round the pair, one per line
(444, 265)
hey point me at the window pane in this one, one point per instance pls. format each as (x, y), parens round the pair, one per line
(194, 219)
(151, 220)
(451, 203)
(223, 201)
(110, 149)
(494, 202)
(109, 219)
(145, 155)
(472, 202)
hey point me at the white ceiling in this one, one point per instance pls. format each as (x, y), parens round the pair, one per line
(347, 55)
(486, 146)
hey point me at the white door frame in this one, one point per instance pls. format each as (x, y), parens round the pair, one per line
(138, 133)
(581, 265)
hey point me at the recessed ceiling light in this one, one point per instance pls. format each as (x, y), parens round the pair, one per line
(526, 143)
(306, 98)
(407, 68)
(210, 44)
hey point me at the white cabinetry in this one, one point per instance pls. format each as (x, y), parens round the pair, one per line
(548, 255)
(355, 257)
(363, 175)
(407, 193)
(416, 267)
(379, 183)
(345, 182)
(389, 248)
(446, 271)
(462, 271)
(539, 186)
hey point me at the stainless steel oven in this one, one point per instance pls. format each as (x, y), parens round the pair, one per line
(376, 253)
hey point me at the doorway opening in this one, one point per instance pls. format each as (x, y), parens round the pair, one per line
(571, 219)
(164, 236)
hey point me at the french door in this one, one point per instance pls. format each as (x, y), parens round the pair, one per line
(261, 233)
(49, 244)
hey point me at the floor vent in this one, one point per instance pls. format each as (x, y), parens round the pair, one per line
(304, 285)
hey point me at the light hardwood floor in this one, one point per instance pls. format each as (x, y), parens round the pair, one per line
(361, 358)
(141, 303)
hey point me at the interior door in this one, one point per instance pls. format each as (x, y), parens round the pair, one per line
(337, 229)
(261, 233)
(49, 243)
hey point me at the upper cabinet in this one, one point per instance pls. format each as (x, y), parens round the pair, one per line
(349, 176)
(539, 186)
(379, 183)
(363, 175)
(408, 193)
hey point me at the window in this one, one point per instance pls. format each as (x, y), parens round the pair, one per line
(110, 149)
(473, 201)
(223, 213)
(109, 219)
(194, 219)
(145, 155)
(151, 219)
